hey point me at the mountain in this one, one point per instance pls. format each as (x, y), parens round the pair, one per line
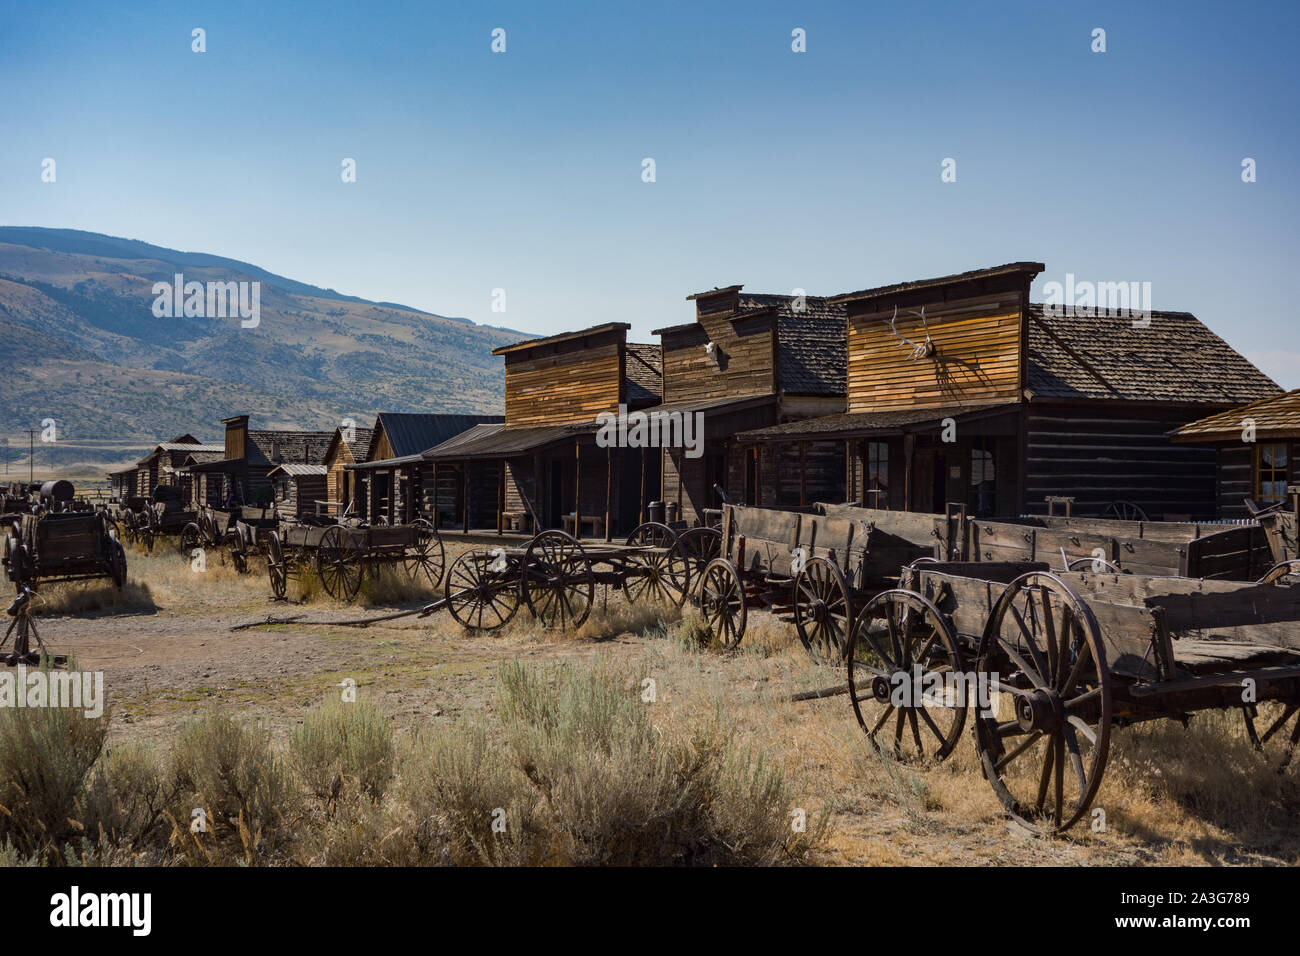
(83, 346)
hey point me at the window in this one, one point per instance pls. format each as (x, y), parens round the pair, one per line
(876, 488)
(983, 480)
(1270, 471)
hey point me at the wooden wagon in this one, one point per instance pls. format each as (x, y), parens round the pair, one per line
(556, 577)
(813, 568)
(1064, 657)
(239, 533)
(73, 546)
(342, 555)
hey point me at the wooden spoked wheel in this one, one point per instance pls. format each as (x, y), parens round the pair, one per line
(722, 602)
(128, 527)
(275, 567)
(557, 583)
(191, 538)
(1124, 511)
(427, 559)
(660, 571)
(482, 590)
(116, 562)
(1276, 741)
(1280, 572)
(144, 531)
(823, 609)
(19, 563)
(1045, 744)
(234, 545)
(338, 562)
(907, 681)
(700, 545)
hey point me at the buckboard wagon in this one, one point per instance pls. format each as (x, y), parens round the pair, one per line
(342, 555)
(71, 546)
(555, 576)
(239, 532)
(1064, 657)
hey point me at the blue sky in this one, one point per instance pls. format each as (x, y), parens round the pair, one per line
(818, 170)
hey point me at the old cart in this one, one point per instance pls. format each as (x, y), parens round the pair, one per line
(555, 576)
(73, 546)
(342, 555)
(1064, 657)
(239, 533)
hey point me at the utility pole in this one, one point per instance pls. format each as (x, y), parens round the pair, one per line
(31, 455)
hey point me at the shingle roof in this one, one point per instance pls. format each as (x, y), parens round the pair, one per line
(644, 373)
(412, 433)
(359, 443)
(1276, 417)
(185, 446)
(274, 446)
(1176, 358)
(812, 350)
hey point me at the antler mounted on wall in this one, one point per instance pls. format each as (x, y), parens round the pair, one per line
(920, 350)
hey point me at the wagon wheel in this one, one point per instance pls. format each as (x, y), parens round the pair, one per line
(1286, 741)
(19, 564)
(234, 544)
(275, 566)
(900, 646)
(1095, 566)
(823, 609)
(338, 563)
(1124, 511)
(1280, 572)
(128, 527)
(111, 526)
(661, 573)
(1042, 651)
(721, 598)
(428, 557)
(145, 531)
(117, 563)
(482, 591)
(557, 583)
(191, 538)
(700, 545)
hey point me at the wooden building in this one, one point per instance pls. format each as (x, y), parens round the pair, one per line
(960, 391)
(121, 483)
(165, 464)
(393, 481)
(1257, 451)
(347, 447)
(243, 472)
(542, 467)
(297, 488)
(746, 361)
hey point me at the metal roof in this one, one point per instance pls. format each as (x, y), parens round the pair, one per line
(410, 433)
(299, 471)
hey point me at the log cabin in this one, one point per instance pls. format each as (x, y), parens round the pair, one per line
(746, 361)
(242, 473)
(297, 488)
(392, 481)
(347, 447)
(542, 466)
(165, 464)
(1257, 452)
(961, 392)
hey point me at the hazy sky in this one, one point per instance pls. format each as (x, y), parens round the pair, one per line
(818, 170)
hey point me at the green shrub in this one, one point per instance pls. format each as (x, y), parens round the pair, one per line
(46, 754)
(340, 745)
(228, 769)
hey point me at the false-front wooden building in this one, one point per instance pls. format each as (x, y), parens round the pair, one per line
(746, 361)
(542, 467)
(243, 471)
(1257, 449)
(962, 392)
(394, 481)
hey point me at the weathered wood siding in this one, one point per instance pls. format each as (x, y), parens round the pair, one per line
(1112, 451)
(978, 344)
(569, 381)
(744, 366)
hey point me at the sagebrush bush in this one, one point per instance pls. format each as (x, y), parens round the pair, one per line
(46, 754)
(344, 744)
(229, 770)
